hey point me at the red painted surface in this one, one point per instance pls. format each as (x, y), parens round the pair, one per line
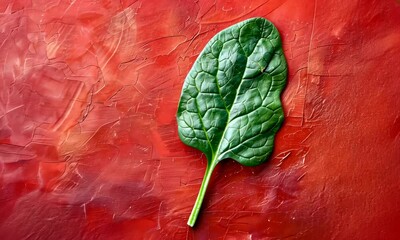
(88, 140)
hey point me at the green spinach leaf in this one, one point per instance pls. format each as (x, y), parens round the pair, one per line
(230, 103)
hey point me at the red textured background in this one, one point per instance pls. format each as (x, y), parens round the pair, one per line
(88, 140)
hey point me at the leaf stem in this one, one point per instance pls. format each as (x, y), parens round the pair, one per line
(200, 196)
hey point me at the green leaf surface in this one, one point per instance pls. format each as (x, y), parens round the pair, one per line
(230, 103)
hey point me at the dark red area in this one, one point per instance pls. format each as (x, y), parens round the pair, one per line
(88, 139)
